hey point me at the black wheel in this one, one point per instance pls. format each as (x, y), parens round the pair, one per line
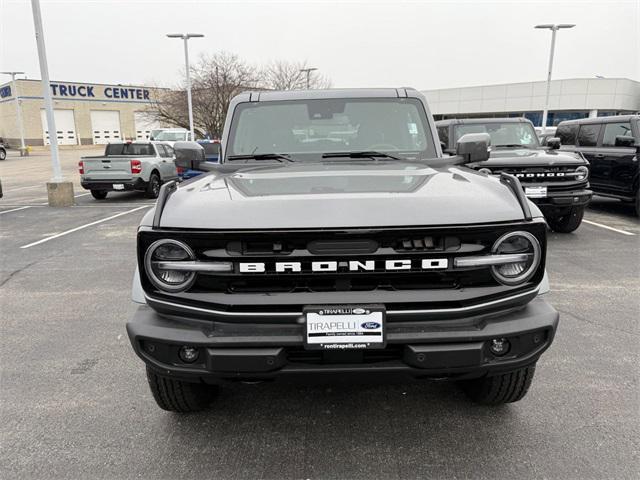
(99, 194)
(505, 388)
(637, 203)
(3, 154)
(178, 396)
(567, 223)
(153, 187)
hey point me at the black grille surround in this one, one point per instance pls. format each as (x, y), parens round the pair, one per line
(557, 178)
(268, 294)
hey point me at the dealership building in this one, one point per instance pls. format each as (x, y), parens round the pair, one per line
(568, 99)
(85, 113)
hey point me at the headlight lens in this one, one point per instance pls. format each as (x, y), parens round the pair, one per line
(582, 173)
(514, 243)
(168, 251)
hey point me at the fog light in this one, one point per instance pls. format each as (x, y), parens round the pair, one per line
(188, 354)
(499, 346)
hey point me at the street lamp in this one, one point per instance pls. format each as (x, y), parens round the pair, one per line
(18, 109)
(554, 28)
(186, 37)
(308, 72)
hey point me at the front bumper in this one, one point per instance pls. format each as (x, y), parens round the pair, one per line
(564, 199)
(456, 349)
(137, 184)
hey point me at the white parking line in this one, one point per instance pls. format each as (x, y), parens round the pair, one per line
(67, 232)
(623, 232)
(15, 209)
(21, 188)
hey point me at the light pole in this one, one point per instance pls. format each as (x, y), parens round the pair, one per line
(59, 191)
(308, 72)
(23, 150)
(185, 37)
(554, 28)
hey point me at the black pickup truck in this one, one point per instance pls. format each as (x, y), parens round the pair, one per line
(335, 239)
(556, 181)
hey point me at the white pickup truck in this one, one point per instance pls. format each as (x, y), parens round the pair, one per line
(140, 166)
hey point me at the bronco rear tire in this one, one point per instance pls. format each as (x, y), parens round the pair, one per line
(99, 194)
(153, 187)
(567, 223)
(496, 390)
(178, 396)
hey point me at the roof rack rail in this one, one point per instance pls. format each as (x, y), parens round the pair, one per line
(514, 184)
(165, 192)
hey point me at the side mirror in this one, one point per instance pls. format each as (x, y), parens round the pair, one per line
(473, 147)
(553, 143)
(625, 141)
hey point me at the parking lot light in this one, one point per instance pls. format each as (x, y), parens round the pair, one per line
(554, 28)
(185, 37)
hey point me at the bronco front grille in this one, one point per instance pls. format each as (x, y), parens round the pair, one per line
(558, 175)
(423, 259)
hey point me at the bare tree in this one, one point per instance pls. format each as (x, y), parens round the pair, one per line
(283, 75)
(215, 80)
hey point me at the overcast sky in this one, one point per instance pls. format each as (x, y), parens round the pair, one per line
(424, 44)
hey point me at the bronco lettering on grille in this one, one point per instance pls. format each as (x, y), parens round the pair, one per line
(349, 266)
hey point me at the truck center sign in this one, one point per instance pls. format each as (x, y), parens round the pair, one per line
(99, 91)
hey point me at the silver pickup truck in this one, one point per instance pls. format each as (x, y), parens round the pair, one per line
(139, 166)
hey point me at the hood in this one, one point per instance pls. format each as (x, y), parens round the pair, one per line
(340, 195)
(525, 157)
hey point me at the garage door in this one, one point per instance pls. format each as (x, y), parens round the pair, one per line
(65, 126)
(144, 125)
(105, 125)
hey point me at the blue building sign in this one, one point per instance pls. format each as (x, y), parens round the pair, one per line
(5, 91)
(92, 91)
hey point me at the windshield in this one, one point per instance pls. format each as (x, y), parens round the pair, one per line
(306, 129)
(502, 134)
(170, 136)
(136, 149)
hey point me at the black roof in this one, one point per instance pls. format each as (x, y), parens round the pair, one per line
(472, 121)
(612, 119)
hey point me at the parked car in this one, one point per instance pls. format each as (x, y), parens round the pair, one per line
(141, 166)
(612, 146)
(3, 152)
(557, 182)
(171, 135)
(373, 254)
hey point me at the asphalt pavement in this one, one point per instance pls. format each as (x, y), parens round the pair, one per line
(74, 402)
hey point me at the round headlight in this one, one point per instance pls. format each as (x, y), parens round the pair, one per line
(485, 170)
(582, 173)
(162, 277)
(516, 243)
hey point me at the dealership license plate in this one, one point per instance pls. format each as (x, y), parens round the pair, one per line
(118, 186)
(345, 327)
(535, 192)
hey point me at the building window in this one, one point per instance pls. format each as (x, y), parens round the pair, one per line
(554, 118)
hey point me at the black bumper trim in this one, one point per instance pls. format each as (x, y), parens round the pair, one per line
(262, 351)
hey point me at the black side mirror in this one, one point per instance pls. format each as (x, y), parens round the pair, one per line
(189, 155)
(473, 147)
(625, 141)
(553, 143)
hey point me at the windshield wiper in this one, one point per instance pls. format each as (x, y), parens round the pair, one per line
(262, 156)
(363, 154)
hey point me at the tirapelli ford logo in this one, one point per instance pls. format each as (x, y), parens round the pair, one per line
(370, 325)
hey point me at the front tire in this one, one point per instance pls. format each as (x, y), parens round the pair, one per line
(3, 154)
(499, 389)
(99, 194)
(153, 187)
(178, 396)
(567, 223)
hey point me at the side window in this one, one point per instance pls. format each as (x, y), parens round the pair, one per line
(443, 133)
(567, 134)
(612, 130)
(588, 135)
(169, 150)
(161, 151)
